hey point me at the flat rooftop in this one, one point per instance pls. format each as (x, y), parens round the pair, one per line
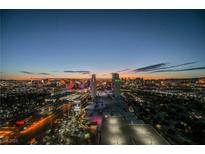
(115, 130)
(122, 127)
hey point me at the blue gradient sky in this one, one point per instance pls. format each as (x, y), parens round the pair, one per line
(101, 41)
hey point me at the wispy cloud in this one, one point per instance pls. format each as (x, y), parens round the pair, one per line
(124, 70)
(85, 72)
(150, 67)
(44, 73)
(26, 72)
(81, 72)
(161, 67)
(174, 66)
(179, 70)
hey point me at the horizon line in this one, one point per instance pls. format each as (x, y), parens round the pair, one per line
(165, 78)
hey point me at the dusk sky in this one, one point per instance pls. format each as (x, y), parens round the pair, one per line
(45, 43)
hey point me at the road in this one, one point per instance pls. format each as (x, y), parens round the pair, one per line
(16, 135)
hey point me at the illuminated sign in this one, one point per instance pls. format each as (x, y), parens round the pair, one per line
(20, 122)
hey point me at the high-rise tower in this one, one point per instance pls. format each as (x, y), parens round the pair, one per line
(93, 86)
(116, 84)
